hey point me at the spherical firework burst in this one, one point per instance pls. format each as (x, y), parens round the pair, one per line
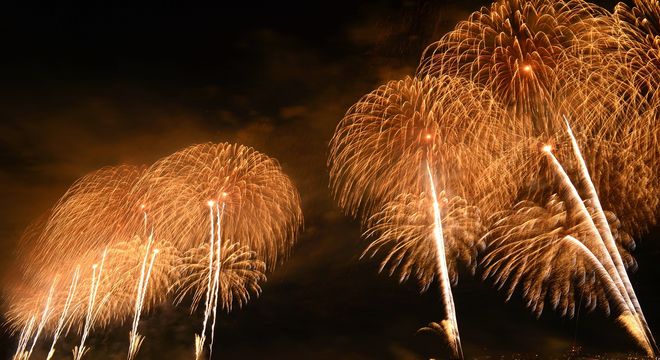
(94, 213)
(396, 152)
(115, 243)
(544, 60)
(520, 50)
(261, 204)
(381, 147)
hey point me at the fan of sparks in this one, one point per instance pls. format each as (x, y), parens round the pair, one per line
(199, 227)
(527, 146)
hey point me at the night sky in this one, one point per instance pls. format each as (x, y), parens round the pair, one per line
(86, 87)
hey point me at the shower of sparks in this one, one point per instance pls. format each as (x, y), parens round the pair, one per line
(511, 154)
(548, 207)
(385, 153)
(81, 350)
(447, 297)
(213, 286)
(21, 353)
(135, 339)
(254, 223)
(44, 317)
(65, 311)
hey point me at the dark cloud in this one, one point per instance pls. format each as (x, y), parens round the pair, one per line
(96, 86)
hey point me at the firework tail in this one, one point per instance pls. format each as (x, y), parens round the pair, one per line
(80, 351)
(44, 317)
(24, 339)
(606, 234)
(609, 264)
(135, 339)
(626, 318)
(445, 286)
(65, 312)
(200, 339)
(216, 280)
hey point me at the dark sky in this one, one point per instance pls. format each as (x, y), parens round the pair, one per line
(85, 87)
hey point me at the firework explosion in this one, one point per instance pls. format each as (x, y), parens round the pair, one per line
(124, 239)
(398, 156)
(552, 155)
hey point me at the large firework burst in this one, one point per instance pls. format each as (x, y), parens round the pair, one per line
(123, 238)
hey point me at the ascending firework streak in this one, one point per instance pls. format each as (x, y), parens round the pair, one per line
(81, 350)
(606, 236)
(218, 264)
(24, 338)
(382, 161)
(445, 286)
(213, 287)
(65, 311)
(259, 216)
(135, 339)
(44, 317)
(606, 256)
(21, 353)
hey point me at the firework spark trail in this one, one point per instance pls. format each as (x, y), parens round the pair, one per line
(240, 275)
(200, 339)
(44, 317)
(604, 253)
(81, 350)
(216, 280)
(605, 232)
(65, 311)
(135, 340)
(100, 211)
(377, 159)
(602, 273)
(213, 289)
(633, 327)
(23, 340)
(447, 297)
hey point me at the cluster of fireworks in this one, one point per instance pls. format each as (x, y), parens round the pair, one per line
(527, 145)
(201, 225)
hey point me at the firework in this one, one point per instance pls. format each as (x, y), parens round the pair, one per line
(521, 51)
(417, 136)
(262, 207)
(238, 273)
(380, 147)
(123, 212)
(404, 227)
(23, 339)
(64, 312)
(97, 272)
(536, 250)
(542, 60)
(639, 34)
(135, 339)
(93, 214)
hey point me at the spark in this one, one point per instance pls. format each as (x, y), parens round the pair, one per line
(65, 311)
(21, 353)
(135, 339)
(81, 350)
(447, 297)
